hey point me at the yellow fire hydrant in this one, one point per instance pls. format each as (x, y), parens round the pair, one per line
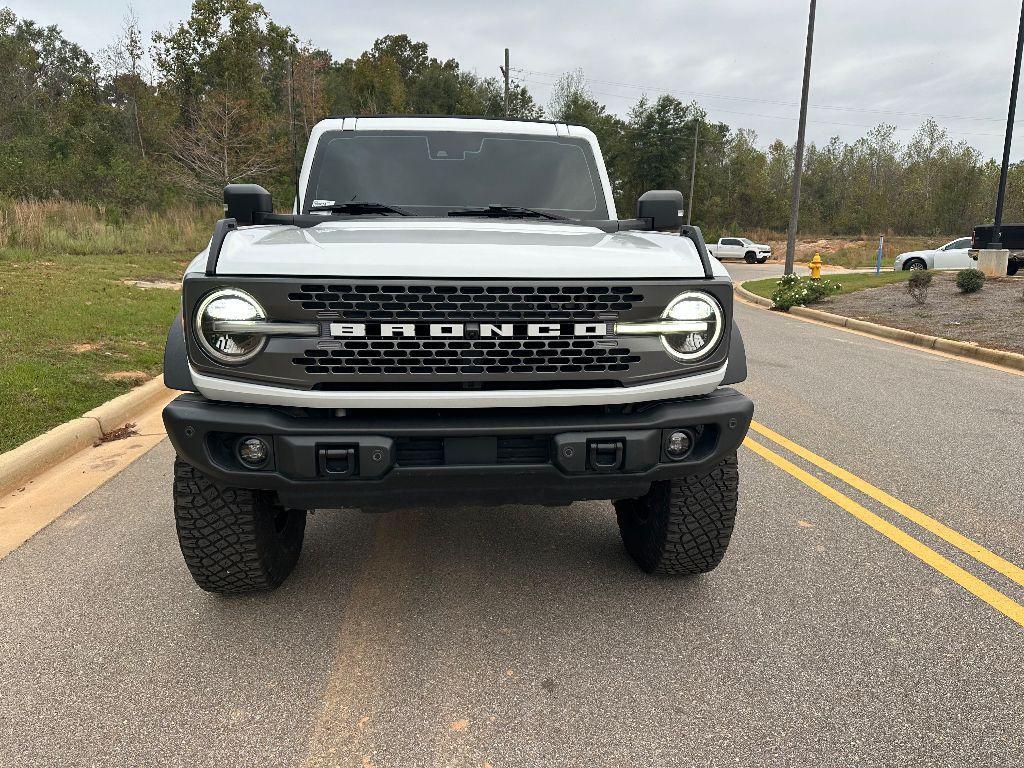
(816, 267)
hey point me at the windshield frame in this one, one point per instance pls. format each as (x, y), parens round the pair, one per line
(594, 162)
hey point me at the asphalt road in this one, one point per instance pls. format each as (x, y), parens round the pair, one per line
(523, 636)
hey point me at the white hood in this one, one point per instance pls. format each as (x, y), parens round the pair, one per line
(395, 248)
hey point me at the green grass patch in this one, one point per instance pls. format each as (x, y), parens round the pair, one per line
(849, 282)
(65, 321)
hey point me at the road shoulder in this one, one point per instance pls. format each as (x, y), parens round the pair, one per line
(42, 499)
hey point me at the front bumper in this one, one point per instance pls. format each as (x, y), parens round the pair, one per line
(394, 458)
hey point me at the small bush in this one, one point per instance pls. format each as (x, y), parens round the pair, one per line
(918, 284)
(970, 280)
(793, 291)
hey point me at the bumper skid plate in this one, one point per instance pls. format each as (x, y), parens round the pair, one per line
(393, 458)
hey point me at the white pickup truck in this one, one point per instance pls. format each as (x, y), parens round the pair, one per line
(740, 248)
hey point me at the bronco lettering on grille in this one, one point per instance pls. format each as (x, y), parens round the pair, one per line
(466, 330)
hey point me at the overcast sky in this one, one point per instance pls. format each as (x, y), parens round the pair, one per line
(894, 61)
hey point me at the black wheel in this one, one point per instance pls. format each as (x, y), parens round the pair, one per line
(914, 264)
(234, 539)
(682, 527)
(1012, 268)
(762, 260)
(750, 257)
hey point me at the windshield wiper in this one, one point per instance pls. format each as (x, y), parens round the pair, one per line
(357, 207)
(506, 211)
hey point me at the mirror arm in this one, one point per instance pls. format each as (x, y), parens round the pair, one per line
(695, 236)
(220, 232)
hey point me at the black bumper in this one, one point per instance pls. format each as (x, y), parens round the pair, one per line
(395, 458)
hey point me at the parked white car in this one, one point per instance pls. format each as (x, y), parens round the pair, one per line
(740, 248)
(952, 255)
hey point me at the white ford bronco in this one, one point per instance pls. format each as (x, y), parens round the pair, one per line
(453, 312)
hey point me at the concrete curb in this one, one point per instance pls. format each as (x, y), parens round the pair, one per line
(20, 464)
(949, 346)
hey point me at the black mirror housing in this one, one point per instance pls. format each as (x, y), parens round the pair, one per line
(664, 207)
(244, 203)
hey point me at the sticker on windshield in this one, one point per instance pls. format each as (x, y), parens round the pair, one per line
(318, 203)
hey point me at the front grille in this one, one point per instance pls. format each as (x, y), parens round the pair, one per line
(429, 451)
(466, 302)
(474, 357)
(467, 356)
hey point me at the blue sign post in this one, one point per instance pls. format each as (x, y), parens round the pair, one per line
(878, 262)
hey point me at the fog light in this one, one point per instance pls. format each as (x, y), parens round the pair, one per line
(678, 444)
(253, 452)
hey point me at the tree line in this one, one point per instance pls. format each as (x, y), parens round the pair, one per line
(158, 119)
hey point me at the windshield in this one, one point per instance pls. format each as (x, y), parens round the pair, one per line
(746, 242)
(430, 173)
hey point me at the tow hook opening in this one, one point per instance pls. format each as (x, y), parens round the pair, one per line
(605, 455)
(337, 461)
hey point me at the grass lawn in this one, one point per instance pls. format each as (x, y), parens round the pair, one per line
(66, 321)
(854, 281)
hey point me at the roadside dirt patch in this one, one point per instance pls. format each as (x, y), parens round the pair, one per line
(805, 249)
(89, 346)
(145, 285)
(135, 377)
(992, 317)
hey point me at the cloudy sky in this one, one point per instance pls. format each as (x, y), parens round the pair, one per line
(893, 61)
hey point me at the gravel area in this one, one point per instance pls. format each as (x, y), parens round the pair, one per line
(992, 317)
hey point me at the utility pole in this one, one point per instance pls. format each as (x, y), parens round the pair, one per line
(693, 172)
(505, 72)
(291, 131)
(798, 161)
(997, 235)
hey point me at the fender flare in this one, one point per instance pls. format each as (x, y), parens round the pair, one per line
(176, 371)
(736, 369)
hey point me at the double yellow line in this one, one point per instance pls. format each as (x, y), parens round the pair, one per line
(1005, 605)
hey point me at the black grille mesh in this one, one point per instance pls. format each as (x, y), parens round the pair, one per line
(467, 302)
(467, 356)
(429, 451)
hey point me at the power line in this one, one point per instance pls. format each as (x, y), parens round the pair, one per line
(783, 117)
(775, 102)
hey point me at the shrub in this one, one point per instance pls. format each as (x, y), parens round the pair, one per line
(793, 290)
(970, 280)
(918, 284)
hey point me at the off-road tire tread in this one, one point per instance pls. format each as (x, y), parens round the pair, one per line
(227, 535)
(688, 522)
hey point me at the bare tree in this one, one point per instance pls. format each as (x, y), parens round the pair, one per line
(124, 62)
(309, 68)
(224, 140)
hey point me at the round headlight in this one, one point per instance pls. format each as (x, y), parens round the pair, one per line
(703, 310)
(229, 304)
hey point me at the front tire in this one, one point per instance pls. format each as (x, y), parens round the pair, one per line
(234, 540)
(682, 527)
(750, 257)
(914, 264)
(1012, 268)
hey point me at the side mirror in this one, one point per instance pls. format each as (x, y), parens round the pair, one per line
(244, 203)
(664, 207)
